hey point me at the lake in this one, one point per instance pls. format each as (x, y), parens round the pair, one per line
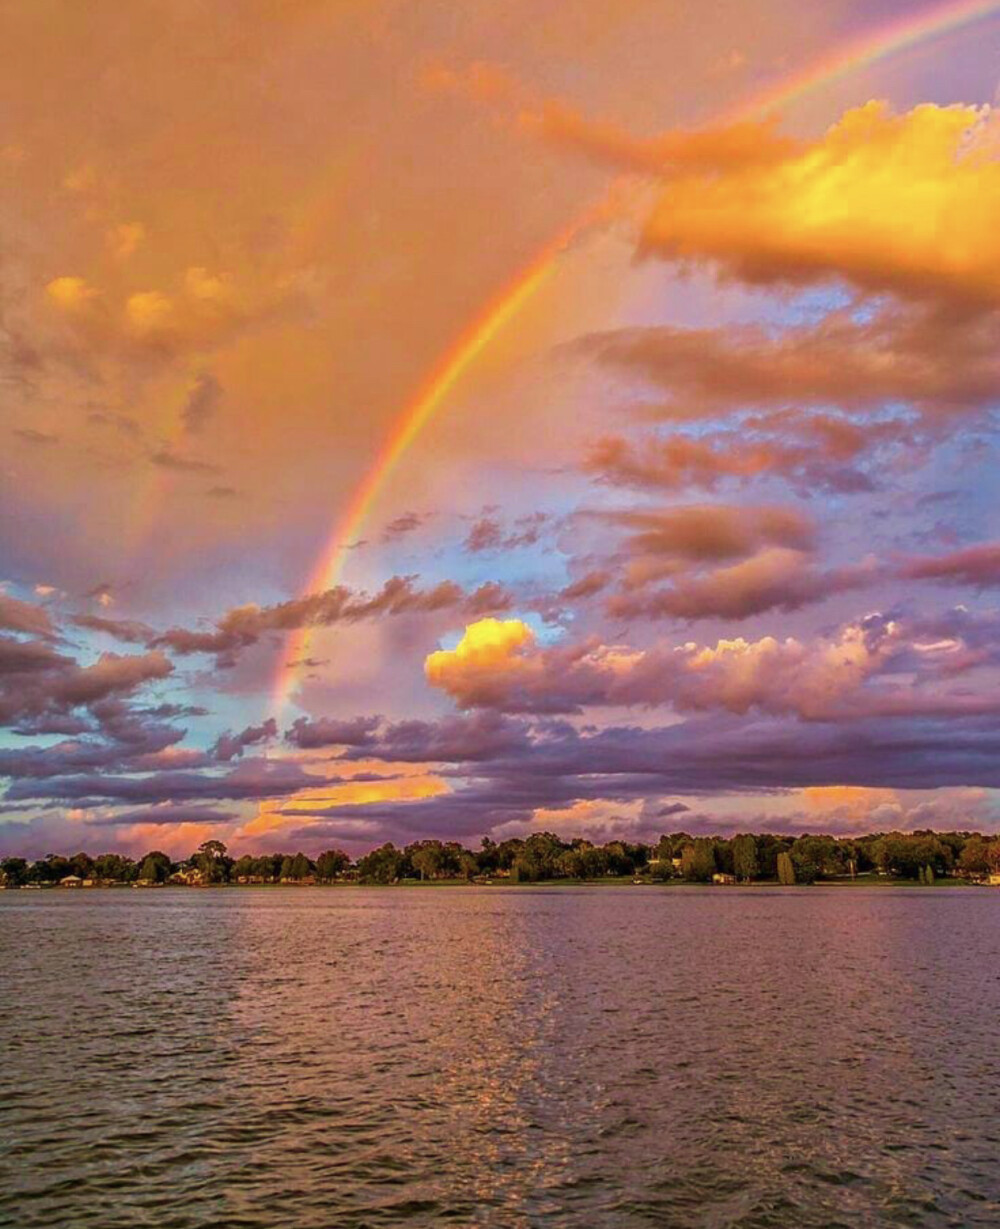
(628, 1056)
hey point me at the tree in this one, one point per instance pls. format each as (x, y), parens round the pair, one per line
(382, 865)
(113, 867)
(507, 851)
(815, 857)
(785, 868)
(210, 858)
(620, 859)
(905, 854)
(82, 864)
(296, 868)
(974, 859)
(768, 848)
(265, 867)
(13, 872)
(745, 864)
(331, 863)
(698, 860)
(155, 868)
(427, 858)
(49, 869)
(487, 857)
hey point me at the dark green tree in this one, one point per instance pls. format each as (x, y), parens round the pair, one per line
(815, 857)
(114, 867)
(698, 863)
(382, 865)
(745, 865)
(331, 863)
(296, 868)
(13, 872)
(211, 860)
(427, 858)
(156, 867)
(973, 858)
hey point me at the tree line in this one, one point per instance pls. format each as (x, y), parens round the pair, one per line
(923, 856)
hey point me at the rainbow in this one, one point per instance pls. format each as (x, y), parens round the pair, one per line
(849, 57)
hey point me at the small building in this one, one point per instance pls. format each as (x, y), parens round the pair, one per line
(71, 881)
(718, 877)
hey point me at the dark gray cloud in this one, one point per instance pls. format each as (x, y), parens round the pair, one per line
(230, 746)
(203, 400)
(333, 731)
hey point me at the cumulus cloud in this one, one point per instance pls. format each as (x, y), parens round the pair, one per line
(699, 533)
(774, 579)
(716, 561)
(499, 665)
(245, 625)
(824, 457)
(36, 681)
(888, 203)
(202, 309)
(856, 361)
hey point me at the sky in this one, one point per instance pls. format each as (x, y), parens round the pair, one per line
(425, 419)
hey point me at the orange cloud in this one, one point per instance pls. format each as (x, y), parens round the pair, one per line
(489, 649)
(854, 801)
(300, 810)
(900, 203)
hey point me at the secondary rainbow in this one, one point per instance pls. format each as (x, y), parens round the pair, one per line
(848, 57)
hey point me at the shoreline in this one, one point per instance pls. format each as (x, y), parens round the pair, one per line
(879, 883)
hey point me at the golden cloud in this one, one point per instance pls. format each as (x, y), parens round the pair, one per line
(898, 203)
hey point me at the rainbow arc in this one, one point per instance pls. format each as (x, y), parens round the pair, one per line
(846, 58)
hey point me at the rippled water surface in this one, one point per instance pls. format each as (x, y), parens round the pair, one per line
(519, 1057)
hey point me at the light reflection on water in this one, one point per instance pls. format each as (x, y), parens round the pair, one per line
(601, 1056)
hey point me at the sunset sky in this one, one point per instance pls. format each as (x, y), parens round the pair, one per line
(447, 419)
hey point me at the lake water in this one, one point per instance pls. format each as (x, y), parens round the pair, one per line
(500, 1057)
